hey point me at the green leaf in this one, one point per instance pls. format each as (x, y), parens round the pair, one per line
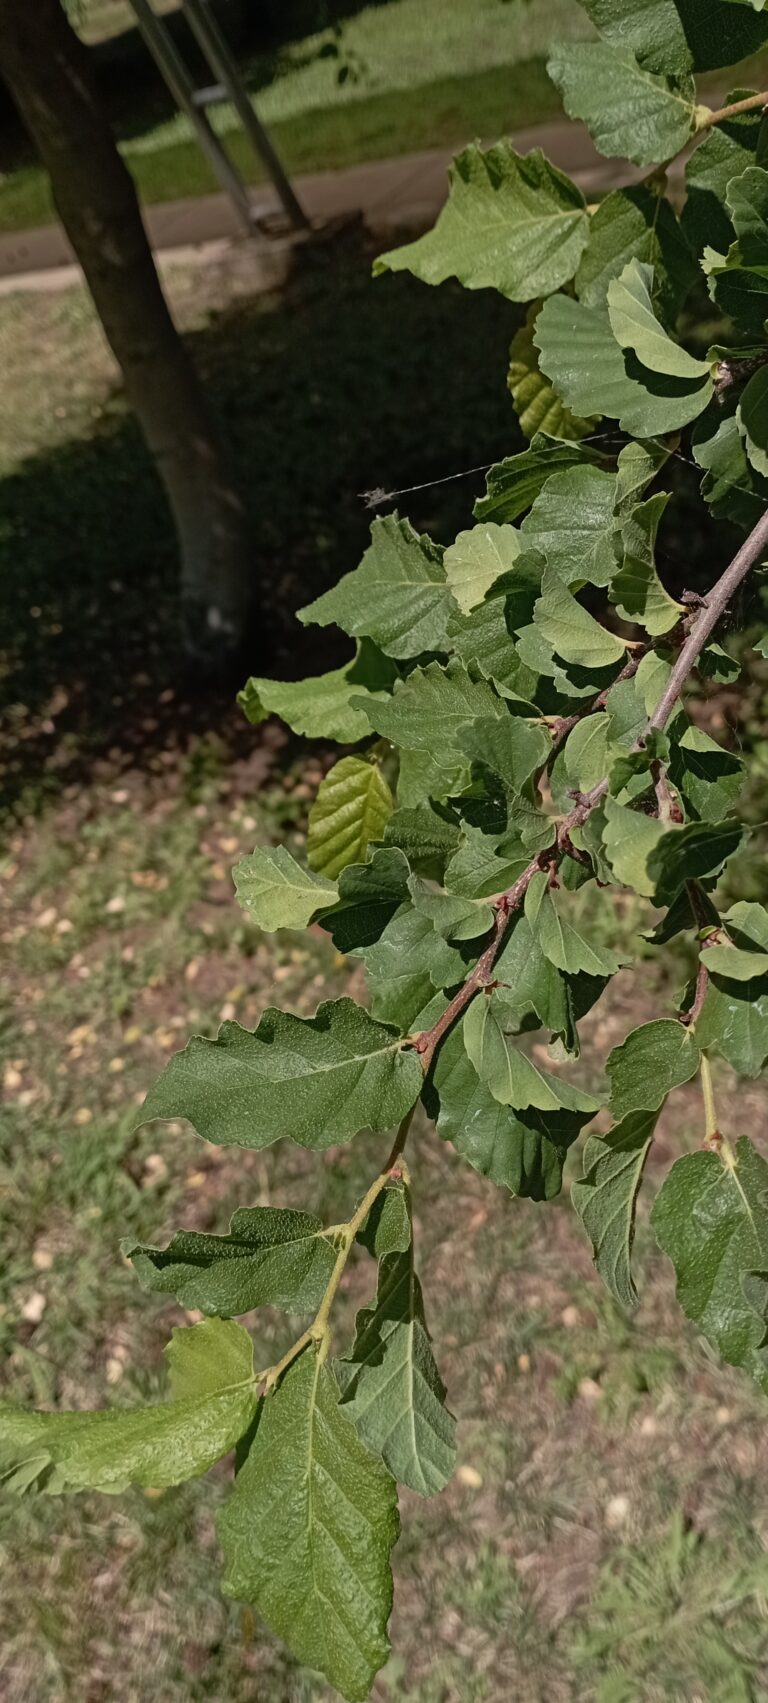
(369, 895)
(586, 752)
(521, 1151)
(387, 1229)
(533, 985)
(605, 1198)
(652, 677)
(426, 711)
(477, 559)
(676, 36)
(653, 1060)
(630, 702)
(276, 892)
(589, 838)
(730, 485)
(392, 1389)
(747, 201)
(734, 1021)
(269, 1258)
(629, 111)
(629, 837)
(456, 917)
(735, 964)
(588, 369)
(536, 403)
(427, 775)
(635, 326)
(710, 1218)
(571, 630)
(512, 484)
(572, 524)
(320, 708)
(636, 224)
(352, 807)
(637, 590)
(511, 747)
(626, 714)
(753, 417)
(739, 294)
(425, 837)
(398, 596)
(483, 640)
(714, 663)
(485, 864)
(708, 778)
(637, 465)
(213, 1400)
(722, 155)
(559, 939)
(692, 853)
(317, 1080)
(511, 223)
(748, 922)
(571, 680)
(308, 1529)
(631, 772)
(513, 1078)
(406, 966)
(739, 277)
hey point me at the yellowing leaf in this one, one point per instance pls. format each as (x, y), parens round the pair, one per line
(352, 807)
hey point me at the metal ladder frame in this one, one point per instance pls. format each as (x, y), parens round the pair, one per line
(195, 102)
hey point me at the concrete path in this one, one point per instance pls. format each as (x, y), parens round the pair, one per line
(408, 191)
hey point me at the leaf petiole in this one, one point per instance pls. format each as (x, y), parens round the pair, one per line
(319, 1330)
(712, 1133)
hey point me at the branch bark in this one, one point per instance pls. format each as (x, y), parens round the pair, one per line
(749, 104)
(712, 610)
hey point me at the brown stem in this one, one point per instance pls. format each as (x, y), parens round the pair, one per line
(747, 105)
(667, 804)
(733, 371)
(714, 607)
(505, 907)
(690, 1018)
(510, 901)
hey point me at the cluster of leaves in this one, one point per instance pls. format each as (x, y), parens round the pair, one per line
(521, 750)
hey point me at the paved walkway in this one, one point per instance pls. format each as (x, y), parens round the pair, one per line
(389, 193)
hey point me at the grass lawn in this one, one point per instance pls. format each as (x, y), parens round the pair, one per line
(421, 74)
(606, 1534)
(392, 78)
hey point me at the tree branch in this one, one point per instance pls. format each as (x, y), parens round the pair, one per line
(691, 1017)
(747, 105)
(710, 613)
(505, 907)
(509, 902)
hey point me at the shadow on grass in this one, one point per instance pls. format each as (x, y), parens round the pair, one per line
(331, 387)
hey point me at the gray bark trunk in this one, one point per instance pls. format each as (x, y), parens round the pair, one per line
(49, 75)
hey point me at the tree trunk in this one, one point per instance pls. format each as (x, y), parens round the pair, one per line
(49, 75)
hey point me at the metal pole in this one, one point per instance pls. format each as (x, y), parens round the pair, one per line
(173, 69)
(223, 64)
